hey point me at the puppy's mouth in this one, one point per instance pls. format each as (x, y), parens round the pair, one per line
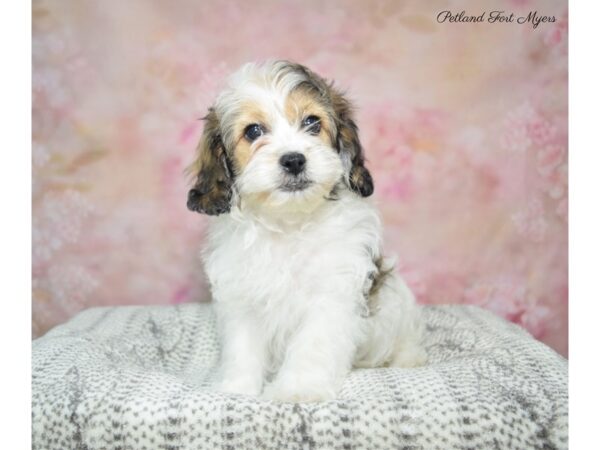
(295, 185)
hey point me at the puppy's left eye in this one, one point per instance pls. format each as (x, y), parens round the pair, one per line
(312, 124)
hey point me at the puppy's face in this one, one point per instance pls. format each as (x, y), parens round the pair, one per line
(282, 139)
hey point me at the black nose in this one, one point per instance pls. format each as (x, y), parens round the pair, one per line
(293, 162)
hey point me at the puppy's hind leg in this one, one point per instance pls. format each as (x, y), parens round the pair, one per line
(395, 329)
(408, 353)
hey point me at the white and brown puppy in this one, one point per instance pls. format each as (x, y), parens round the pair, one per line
(301, 289)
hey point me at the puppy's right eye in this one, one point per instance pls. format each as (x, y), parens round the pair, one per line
(253, 132)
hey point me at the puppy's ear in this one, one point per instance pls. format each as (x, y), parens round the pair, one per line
(348, 144)
(212, 189)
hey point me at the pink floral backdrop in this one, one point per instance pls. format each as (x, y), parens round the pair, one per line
(465, 128)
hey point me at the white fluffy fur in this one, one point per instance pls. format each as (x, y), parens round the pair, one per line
(289, 270)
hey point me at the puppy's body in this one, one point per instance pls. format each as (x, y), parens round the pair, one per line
(301, 289)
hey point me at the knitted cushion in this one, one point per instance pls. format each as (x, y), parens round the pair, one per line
(140, 378)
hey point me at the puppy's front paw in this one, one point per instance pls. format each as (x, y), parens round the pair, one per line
(295, 393)
(240, 385)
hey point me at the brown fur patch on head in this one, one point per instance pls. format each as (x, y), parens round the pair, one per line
(243, 150)
(343, 129)
(212, 190)
(303, 102)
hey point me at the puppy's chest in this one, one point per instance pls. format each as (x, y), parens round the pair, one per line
(286, 259)
(266, 265)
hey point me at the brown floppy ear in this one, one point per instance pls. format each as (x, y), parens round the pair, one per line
(212, 190)
(348, 144)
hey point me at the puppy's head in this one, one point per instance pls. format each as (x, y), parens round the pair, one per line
(279, 137)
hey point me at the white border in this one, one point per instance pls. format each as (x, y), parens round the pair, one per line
(584, 223)
(15, 234)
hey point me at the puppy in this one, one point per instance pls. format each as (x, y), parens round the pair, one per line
(301, 289)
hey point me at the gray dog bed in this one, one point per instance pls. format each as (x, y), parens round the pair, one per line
(140, 378)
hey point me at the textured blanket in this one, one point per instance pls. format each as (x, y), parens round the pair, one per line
(141, 377)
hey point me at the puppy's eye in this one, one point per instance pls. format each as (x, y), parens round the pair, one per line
(253, 131)
(312, 124)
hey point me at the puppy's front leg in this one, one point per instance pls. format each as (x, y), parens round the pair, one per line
(318, 356)
(242, 357)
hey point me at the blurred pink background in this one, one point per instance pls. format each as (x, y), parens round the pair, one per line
(464, 125)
